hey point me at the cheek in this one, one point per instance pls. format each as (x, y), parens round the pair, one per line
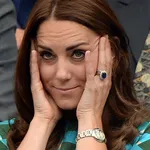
(45, 72)
(80, 72)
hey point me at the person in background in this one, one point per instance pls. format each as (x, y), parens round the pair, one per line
(73, 83)
(134, 15)
(8, 54)
(23, 9)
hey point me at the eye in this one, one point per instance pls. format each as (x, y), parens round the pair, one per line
(78, 54)
(47, 55)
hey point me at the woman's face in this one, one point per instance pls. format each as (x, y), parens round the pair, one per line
(62, 46)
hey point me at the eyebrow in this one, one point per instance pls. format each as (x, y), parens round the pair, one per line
(67, 49)
(75, 46)
(44, 47)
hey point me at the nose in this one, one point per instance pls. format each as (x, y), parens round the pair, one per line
(63, 70)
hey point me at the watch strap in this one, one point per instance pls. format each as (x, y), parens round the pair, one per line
(91, 133)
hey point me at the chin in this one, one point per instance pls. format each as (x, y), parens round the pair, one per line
(66, 105)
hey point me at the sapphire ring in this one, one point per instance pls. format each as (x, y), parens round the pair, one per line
(102, 74)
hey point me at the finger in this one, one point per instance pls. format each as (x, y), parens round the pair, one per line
(36, 84)
(88, 67)
(34, 70)
(39, 95)
(103, 62)
(102, 54)
(109, 56)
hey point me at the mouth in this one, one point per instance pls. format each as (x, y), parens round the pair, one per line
(65, 89)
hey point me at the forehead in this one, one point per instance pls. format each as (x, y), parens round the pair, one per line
(61, 31)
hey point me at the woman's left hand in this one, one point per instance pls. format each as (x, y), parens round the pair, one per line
(96, 90)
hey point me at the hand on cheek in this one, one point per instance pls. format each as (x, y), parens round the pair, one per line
(44, 106)
(96, 90)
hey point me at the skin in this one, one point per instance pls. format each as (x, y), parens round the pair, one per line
(89, 97)
(62, 79)
(19, 36)
(63, 72)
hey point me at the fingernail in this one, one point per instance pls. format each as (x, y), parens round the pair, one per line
(88, 52)
(34, 51)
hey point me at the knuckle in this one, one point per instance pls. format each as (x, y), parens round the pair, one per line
(91, 87)
(34, 72)
(104, 64)
(36, 87)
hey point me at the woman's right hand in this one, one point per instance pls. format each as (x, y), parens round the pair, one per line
(44, 106)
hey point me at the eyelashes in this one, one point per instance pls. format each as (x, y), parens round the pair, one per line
(46, 55)
(76, 55)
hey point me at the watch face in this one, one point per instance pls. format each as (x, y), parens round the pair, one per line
(99, 135)
(102, 136)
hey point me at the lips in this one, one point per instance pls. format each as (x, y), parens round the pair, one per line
(65, 89)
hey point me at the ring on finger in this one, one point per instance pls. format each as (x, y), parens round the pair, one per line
(102, 74)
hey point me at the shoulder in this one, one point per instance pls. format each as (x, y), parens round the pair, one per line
(6, 6)
(4, 128)
(7, 14)
(141, 142)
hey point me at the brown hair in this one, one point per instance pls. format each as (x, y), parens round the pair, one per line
(123, 111)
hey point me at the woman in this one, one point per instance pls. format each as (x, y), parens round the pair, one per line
(78, 82)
